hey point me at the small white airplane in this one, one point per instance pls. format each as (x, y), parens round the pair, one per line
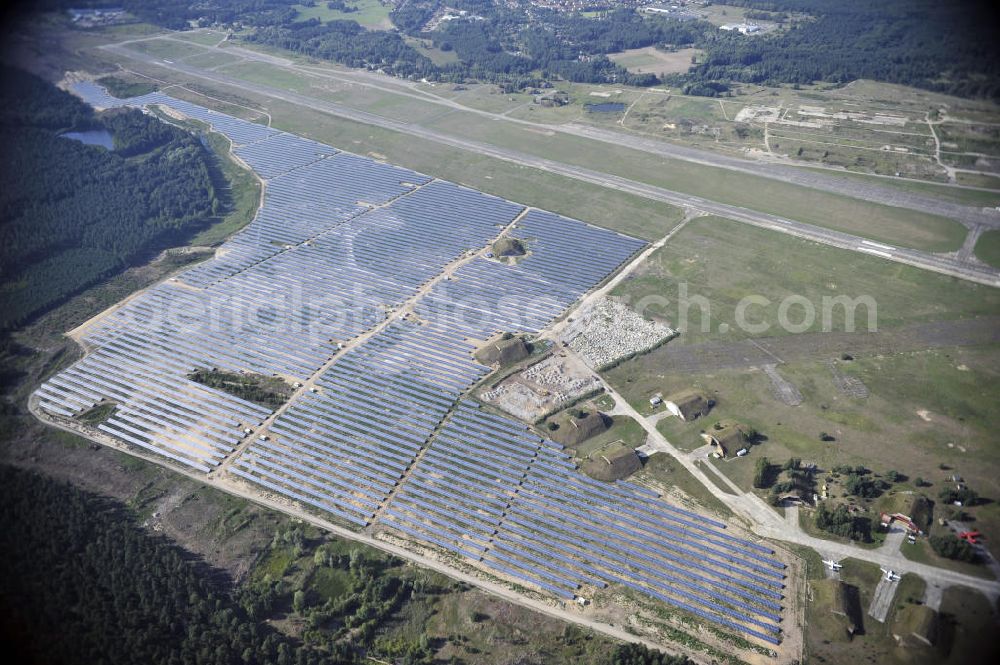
(832, 565)
(890, 574)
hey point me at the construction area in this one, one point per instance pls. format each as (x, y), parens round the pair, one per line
(542, 388)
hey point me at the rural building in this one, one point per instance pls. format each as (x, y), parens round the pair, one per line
(726, 436)
(915, 626)
(687, 405)
(742, 28)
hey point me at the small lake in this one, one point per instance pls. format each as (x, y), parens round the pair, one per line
(605, 107)
(101, 137)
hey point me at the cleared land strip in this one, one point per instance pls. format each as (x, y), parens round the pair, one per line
(866, 191)
(713, 356)
(942, 264)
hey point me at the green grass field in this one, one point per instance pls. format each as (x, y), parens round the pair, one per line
(919, 401)
(372, 14)
(875, 221)
(203, 37)
(436, 55)
(972, 197)
(167, 49)
(213, 59)
(724, 261)
(623, 431)
(988, 248)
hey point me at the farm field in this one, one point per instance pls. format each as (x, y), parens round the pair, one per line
(651, 60)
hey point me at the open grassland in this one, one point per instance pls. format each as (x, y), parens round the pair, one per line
(372, 14)
(718, 263)
(168, 49)
(924, 410)
(816, 124)
(651, 60)
(875, 221)
(624, 431)
(212, 59)
(426, 47)
(988, 248)
(964, 195)
(202, 37)
(978, 180)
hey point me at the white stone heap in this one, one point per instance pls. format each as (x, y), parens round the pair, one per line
(609, 331)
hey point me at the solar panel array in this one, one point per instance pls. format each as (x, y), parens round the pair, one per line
(489, 490)
(384, 435)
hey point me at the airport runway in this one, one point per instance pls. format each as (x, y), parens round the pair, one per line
(970, 216)
(948, 265)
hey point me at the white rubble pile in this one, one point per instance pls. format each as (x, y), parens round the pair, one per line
(609, 331)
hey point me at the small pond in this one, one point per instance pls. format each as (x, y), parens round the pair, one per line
(605, 107)
(101, 137)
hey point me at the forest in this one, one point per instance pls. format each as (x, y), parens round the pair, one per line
(84, 583)
(73, 214)
(942, 46)
(267, 391)
(947, 47)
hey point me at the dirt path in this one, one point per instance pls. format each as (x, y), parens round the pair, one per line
(949, 171)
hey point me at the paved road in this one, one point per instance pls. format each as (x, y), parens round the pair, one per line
(945, 264)
(882, 599)
(813, 179)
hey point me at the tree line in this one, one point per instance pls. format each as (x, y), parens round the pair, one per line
(947, 47)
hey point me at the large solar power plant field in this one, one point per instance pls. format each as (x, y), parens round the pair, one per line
(367, 287)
